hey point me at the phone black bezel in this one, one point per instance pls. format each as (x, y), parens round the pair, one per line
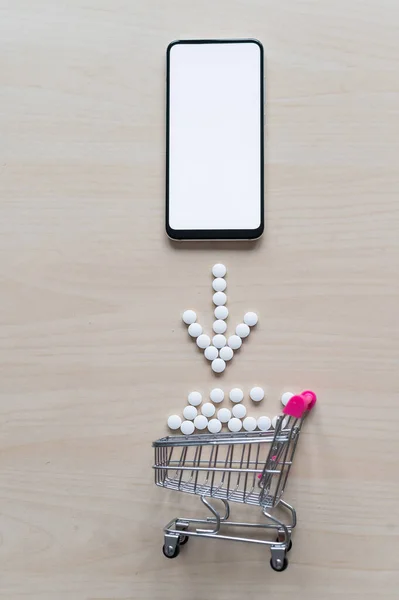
(216, 234)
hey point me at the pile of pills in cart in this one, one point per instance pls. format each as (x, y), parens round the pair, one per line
(220, 348)
(199, 415)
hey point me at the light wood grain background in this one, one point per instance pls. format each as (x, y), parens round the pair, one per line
(93, 355)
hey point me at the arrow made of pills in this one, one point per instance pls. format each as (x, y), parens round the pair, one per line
(219, 349)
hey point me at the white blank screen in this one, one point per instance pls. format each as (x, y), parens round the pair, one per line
(215, 136)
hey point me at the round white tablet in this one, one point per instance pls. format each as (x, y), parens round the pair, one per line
(242, 330)
(194, 398)
(189, 317)
(239, 411)
(208, 409)
(174, 422)
(211, 353)
(219, 270)
(214, 426)
(226, 353)
(221, 312)
(190, 412)
(264, 423)
(219, 284)
(219, 298)
(250, 318)
(194, 330)
(286, 397)
(217, 395)
(219, 326)
(276, 418)
(203, 341)
(234, 424)
(224, 415)
(234, 342)
(218, 365)
(249, 424)
(219, 340)
(257, 394)
(236, 395)
(200, 422)
(187, 427)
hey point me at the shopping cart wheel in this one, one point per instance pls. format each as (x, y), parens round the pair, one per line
(289, 545)
(281, 567)
(171, 552)
(183, 539)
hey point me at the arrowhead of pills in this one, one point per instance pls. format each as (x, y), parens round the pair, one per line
(219, 350)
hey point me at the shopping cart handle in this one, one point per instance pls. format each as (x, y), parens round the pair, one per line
(299, 404)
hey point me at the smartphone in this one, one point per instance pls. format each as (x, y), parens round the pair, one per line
(214, 140)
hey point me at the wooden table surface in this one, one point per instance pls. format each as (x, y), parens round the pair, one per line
(93, 353)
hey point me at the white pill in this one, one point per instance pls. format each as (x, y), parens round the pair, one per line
(187, 427)
(174, 422)
(218, 365)
(219, 298)
(236, 395)
(219, 270)
(221, 312)
(249, 424)
(239, 411)
(211, 353)
(214, 426)
(275, 419)
(217, 395)
(234, 424)
(242, 330)
(224, 415)
(257, 394)
(194, 398)
(203, 341)
(219, 284)
(219, 326)
(219, 340)
(190, 412)
(189, 317)
(200, 422)
(264, 423)
(286, 397)
(234, 342)
(226, 353)
(250, 318)
(194, 330)
(208, 409)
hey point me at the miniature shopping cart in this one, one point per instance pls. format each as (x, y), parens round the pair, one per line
(248, 468)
